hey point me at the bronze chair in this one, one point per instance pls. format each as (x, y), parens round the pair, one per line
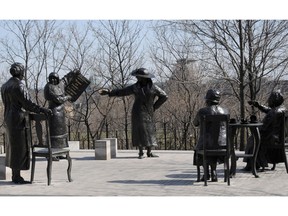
(39, 126)
(211, 125)
(282, 145)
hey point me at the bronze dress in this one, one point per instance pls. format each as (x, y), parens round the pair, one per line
(55, 96)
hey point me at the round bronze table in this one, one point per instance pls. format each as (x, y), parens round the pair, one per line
(254, 129)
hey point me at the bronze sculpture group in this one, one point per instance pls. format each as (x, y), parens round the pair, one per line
(148, 98)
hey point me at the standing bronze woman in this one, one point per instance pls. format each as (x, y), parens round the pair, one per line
(17, 102)
(143, 125)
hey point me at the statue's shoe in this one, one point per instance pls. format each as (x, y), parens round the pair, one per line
(152, 155)
(20, 180)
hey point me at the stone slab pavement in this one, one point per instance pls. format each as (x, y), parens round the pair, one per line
(170, 175)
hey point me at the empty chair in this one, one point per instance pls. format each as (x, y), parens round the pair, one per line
(41, 145)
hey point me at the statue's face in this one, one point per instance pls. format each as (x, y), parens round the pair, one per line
(54, 80)
(142, 79)
(21, 76)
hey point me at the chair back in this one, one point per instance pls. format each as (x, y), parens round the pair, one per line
(283, 138)
(215, 131)
(39, 129)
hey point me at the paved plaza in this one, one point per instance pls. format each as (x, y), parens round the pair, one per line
(172, 174)
(125, 184)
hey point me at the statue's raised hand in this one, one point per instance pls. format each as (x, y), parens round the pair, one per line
(104, 91)
(253, 103)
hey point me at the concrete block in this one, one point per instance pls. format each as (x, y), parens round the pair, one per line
(74, 145)
(1, 149)
(2, 168)
(102, 150)
(113, 146)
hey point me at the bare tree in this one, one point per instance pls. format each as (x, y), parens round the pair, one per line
(30, 42)
(118, 54)
(242, 52)
(173, 53)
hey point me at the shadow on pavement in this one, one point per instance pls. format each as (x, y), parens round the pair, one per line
(158, 182)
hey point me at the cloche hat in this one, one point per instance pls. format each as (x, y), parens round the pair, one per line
(213, 95)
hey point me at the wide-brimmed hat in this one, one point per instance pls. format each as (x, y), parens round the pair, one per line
(142, 72)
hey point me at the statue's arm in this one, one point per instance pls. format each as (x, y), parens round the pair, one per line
(162, 97)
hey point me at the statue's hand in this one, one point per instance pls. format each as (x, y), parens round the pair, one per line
(47, 112)
(104, 91)
(76, 71)
(253, 103)
(68, 98)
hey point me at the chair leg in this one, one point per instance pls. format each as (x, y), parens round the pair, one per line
(285, 160)
(49, 168)
(205, 171)
(274, 166)
(198, 173)
(69, 167)
(286, 165)
(32, 169)
(227, 171)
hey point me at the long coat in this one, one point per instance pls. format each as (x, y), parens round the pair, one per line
(55, 96)
(269, 133)
(143, 125)
(209, 110)
(16, 102)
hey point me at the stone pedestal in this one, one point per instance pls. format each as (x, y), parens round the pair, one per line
(74, 145)
(102, 150)
(113, 146)
(2, 168)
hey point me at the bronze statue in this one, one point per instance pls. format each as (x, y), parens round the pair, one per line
(17, 102)
(143, 125)
(212, 100)
(269, 131)
(55, 95)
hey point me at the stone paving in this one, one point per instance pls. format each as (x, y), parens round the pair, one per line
(172, 174)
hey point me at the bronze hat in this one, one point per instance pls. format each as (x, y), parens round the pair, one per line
(213, 95)
(142, 72)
